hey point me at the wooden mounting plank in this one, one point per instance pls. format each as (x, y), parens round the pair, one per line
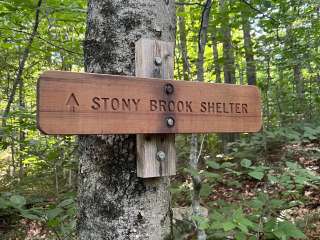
(155, 59)
(84, 103)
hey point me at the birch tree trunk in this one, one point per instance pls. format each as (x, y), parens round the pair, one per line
(113, 203)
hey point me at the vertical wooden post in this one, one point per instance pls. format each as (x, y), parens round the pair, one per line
(156, 152)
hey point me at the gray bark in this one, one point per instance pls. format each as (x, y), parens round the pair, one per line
(250, 64)
(113, 202)
(196, 181)
(183, 46)
(228, 51)
(215, 53)
(228, 59)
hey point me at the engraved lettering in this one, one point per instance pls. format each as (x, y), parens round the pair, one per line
(218, 105)
(188, 106)
(136, 103)
(238, 109)
(105, 101)
(245, 108)
(153, 105)
(224, 108)
(203, 107)
(115, 104)
(171, 106)
(126, 105)
(231, 105)
(96, 105)
(211, 107)
(162, 105)
(180, 106)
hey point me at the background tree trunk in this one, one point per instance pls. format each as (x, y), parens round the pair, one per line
(228, 52)
(228, 59)
(194, 159)
(215, 54)
(250, 64)
(113, 202)
(183, 45)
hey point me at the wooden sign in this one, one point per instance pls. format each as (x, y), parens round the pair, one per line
(82, 103)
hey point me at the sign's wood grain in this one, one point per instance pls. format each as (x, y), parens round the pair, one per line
(83, 103)
(149, 145)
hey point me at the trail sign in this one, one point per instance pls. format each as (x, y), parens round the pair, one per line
(83, 103)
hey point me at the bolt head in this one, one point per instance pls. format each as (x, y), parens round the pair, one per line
(170, 122)
(168, 88)
(158, 61)
(161, 156)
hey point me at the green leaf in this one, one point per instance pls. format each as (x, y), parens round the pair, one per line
(246, 163)
(291, 230)
(227, 226)
(213, 165)
(17, 201)
(205, 190)
(28, 215)
(192, 172)
(66, 202)
(53, 213)
(256, 174)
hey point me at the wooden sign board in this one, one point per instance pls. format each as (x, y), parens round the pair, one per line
(84, 103)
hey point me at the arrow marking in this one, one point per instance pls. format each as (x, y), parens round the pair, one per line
(72, 102)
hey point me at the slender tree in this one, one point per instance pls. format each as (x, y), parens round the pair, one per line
(194, 158)
(113, 202)
(248, 49)
(228, 51)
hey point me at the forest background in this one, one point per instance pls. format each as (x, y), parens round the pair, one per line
(253, 186)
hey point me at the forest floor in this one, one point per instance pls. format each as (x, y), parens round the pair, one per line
(308, 214)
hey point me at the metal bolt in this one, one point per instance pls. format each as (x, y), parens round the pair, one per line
(168, 88)
(158, 61)
(170, 122)
(161, 156)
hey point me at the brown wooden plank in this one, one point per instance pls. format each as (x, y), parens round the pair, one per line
(83, 103)
(154, 58)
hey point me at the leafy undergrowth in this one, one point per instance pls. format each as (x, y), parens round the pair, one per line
(267, 187)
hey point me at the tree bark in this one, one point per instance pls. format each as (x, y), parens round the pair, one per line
(183, 45)
(196, 180)
(228, 52)
(113, 202)
(228, 59)
(215, 53)
(250, 64)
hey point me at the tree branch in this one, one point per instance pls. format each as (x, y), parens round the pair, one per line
(45, 40)
(22, 63)
(259, 11)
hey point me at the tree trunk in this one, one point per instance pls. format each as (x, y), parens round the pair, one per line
(22, 63)
(250, 64)
(228, 52)
(183, 45)
(215, 53)
(228, 59)
(113, 202)
(196, 180)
